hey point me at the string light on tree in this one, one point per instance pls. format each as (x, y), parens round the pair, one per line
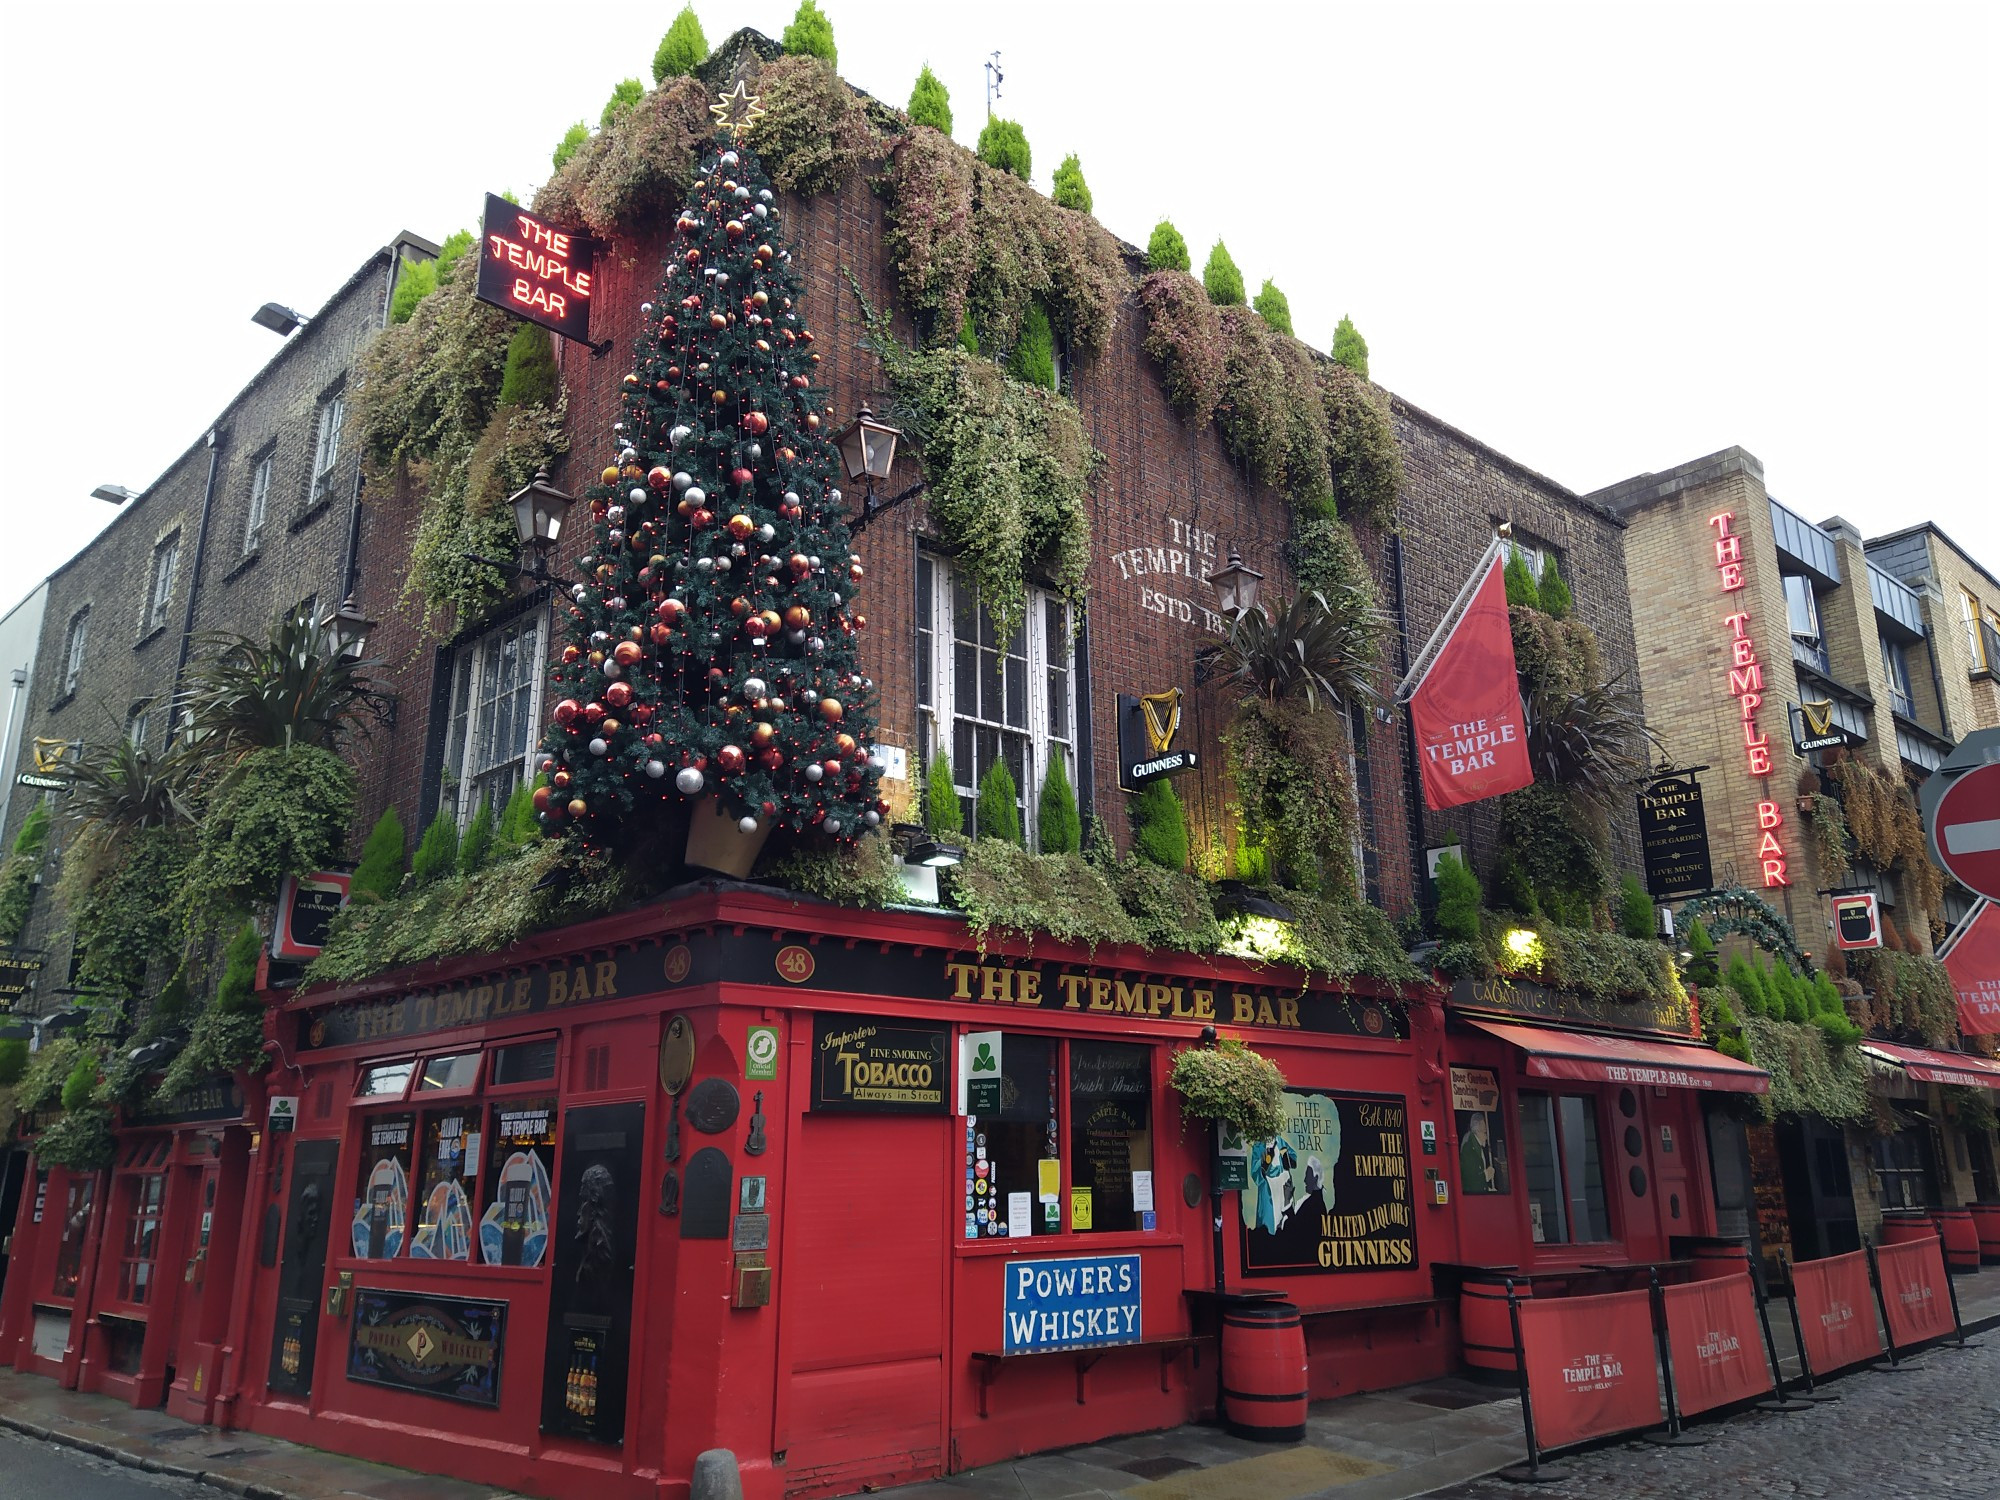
(711, 649)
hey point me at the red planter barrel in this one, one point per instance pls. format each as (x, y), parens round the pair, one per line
(1717, 1262)
(1961, 1239)
(1986, 1224)
(1484, 1326)
(1902, 1225)
(1264, 1372)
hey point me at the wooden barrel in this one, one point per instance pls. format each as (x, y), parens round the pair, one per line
(1900, 1226)
(1716, 1262)
(1264, 1372)
(1961, 1239)
(1986, 1224)
(1484, 1326)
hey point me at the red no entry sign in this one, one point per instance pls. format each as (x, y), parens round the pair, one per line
(1967, 825)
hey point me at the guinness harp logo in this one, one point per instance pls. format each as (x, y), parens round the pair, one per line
(49, 754)
(1818, 716)
(1162, 712)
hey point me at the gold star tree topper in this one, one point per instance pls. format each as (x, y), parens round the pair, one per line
(737, 111)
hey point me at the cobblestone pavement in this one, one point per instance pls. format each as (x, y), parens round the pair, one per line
(1931, 1432)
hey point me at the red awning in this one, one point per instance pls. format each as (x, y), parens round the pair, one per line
(1927, 1066)
(1617, 1059)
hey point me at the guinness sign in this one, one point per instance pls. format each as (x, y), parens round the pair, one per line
(1813, 727)
(1148, 731)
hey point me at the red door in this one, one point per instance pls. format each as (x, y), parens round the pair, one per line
(192, 1266)
(864, 1300)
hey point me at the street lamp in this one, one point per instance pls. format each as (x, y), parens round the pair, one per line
(348, 626)
(1235, 586)
(117, 494)
(868, 453)
(539, 512)
(277, 317)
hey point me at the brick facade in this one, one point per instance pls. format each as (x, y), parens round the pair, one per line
(300, 553)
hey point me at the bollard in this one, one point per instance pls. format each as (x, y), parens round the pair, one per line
(715, 1476)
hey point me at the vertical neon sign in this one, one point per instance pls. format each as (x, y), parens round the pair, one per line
(1746, 686)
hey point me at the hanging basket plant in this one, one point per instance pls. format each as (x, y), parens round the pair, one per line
(1230, 1083)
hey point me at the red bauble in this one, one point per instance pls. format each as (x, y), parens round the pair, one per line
(846, 743)
(799, 563)
(756, 423)
(861, 622)
(571, 655)
(671, 610)
(772, 759)
(631, 382)
(729, 759)
(740, 476)
(618, 694)
(739, 607)
(830, 710)
(627, 653)
(593, 713)
(831, 767)
(756, 627)
(559, 780)
(701, 518)
(541, 799)
(566, 711)
(734, 229)
(662, 634)
(659, 476)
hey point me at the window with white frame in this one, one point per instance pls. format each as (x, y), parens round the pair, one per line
(166, 561)
(79, 633)
(139, 722)
(496, 689)
(326, 452)
(1534, 553)
(260, 502)
(984, 699)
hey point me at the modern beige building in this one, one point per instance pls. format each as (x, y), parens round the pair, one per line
(1961, 604)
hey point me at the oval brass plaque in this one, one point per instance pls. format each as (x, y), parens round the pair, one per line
(677, 1054)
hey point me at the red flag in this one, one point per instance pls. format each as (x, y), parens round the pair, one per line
(1472, 733)
(1974, 966)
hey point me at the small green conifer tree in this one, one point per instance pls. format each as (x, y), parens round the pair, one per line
(1071, 191)
(682, 49)
(415, 281)
(997, 815)
(1159, 825)
(1059, 826)
(476, 848)
(1350, 348)
(944, 814)
(1635, 909)
(1554, 592)
(570, 144)
(1221, 278)
(811, 33)
(1457, 901)
(1035, 354)
(1166, 250)
(930, 102)
(530, 377)
(437, 851)
(1003, 144)
(628, 93)
(1521, 589)
(380, 873)
(1274, 307)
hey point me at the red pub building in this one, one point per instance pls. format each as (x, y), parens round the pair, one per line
(740, 1168)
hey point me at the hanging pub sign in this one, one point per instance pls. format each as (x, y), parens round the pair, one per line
(1857, 921)
(306, 908)
(441, 1346)
(536, 270)
(1673, 832)
(1813, 727)
(1330, 1191)
(18, 968)
(1149, 729)
(859, 1065)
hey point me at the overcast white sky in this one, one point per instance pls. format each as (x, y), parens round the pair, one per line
(1603, 238)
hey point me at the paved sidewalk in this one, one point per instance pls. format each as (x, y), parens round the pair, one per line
(242, 1463)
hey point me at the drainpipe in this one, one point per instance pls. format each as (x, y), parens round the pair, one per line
(1413, 790)
(194, 575)
(350, 568)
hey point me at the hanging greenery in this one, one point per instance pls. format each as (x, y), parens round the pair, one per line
(1007, 466)
(1885, 827)
(1807, 1077)
(17, 873)
(1341, 937)
(1289, 768)
(815, 130)
(438, 436)
(1911, 994)
(1184, 335)
(1231, 1084)
(536, 888)
(635, 169)
(962, 233)
(228, 1032)
(1325, 559)
(1006, 892)
(1831, 838)
(284, 811)
(861, 873)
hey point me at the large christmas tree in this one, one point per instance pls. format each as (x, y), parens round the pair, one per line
(711, 645)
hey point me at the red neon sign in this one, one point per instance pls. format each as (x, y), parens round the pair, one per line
(1746, 686)
(536, 270)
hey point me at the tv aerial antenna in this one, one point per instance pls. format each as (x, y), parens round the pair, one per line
(993, 80)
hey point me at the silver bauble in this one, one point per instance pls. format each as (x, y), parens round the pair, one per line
(658, 768)
(600, 747)
(688, 780)
(814, 771)
(748, 825)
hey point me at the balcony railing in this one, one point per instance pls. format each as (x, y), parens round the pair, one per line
(1989, 641)
(1811, 654)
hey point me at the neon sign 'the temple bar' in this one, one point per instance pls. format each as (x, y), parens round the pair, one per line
(1746, 686)
(535, 270)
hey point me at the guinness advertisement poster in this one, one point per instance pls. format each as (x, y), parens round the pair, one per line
(1331, 1190)
(861, 1065)
(442, 1346)
(1673, 829)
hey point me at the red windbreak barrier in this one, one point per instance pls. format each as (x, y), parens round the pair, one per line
(1915, 1295)
(1717, 1351)
(1836, 1311)
(1591, 1366)
(1472, 733)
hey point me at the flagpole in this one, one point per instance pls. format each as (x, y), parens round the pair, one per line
(1424, 657)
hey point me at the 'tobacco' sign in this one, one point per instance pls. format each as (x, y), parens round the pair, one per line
(536, 270)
